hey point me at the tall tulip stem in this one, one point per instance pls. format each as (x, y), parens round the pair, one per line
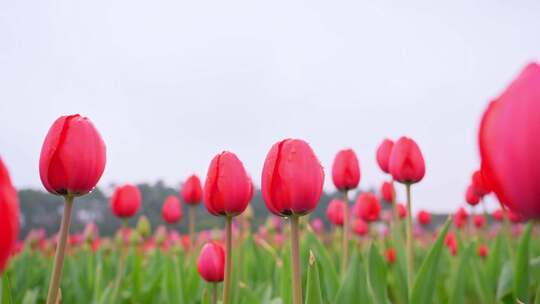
(192, 219)
(295, 258)
(54, 284)
(409, 244)
(214, 293)
(346, 229)
(121, 262)
(228, 260)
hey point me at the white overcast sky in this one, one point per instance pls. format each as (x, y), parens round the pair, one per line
(171, 83)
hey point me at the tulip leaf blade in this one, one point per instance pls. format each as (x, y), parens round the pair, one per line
(460, 279)
(5, 290)
(327, 270)
(521, 267)
(424, 284)
(377, 276)
(354, 287)
(313, 284)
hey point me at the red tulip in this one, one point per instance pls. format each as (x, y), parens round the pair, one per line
(451, 242)
(483, 251)
(211, 262)
(346, 170)
(317, 225)
(460, 218)
(228, 188)
(72, 157)
(406, 162)
(292, 178)
(498, 215)
(423, 217)
(9, 217)
(360, 227)
(387, 192)
(479, 184)
(367, 207)
(510, 145)
(192, 191)
(479, 221)
(126, 201)
(402, 211)
(383, 154)
(171, 211)
(471, 197)
(334, 212)
(391, 255)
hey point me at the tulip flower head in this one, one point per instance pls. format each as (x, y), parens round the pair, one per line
(367, 207)
(9, 216)
(510, 145)
(334, 212)
(498, 215)
(402, 211)
(171, 211)
(191, 192)
(383, 155)
(483, 251)
(479, 184)
(423, 217)
(211, 262)
(72, 157)
(292, 178)
(406, 162)
(317, 225)
(346, 170)
(228, 188)
(391, 255)
(360, 227)
(479, 221)
(388, 192)
(126, 201)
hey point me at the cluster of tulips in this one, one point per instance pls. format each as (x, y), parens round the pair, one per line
(73, 159)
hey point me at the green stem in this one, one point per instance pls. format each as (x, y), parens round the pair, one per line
(409, 241)
(192, 220)
(121, 264)
(295, 258)
(228, 260)
(214, 293)
(60, 251)
(346, 226)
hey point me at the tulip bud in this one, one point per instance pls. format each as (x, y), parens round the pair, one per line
(292, 178)
(346, 170)
(191, 192)
(144, 227)
(211, 262)
(334, 212)
(406, 162)
(479, 184)
(423, 217)
(72, 157)
(9, 216)
(171, 211)
(367, 207)
(387, 192)
(317, 225)
(90, 232)
(383, 155)
(228, 188)
(126, 201)
(498, 215)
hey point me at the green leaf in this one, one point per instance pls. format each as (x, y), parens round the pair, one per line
(5, 290)
(494, 263)
(354, 288)
(424, 284)
(327, 270)
(313, 285)
(377, 275)
(460, 279)
(537, 297)
(521, 267)
(400, 268)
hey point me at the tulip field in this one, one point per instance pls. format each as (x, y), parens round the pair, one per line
(368, 248)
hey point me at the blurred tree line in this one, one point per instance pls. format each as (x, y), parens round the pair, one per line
(41, 209)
